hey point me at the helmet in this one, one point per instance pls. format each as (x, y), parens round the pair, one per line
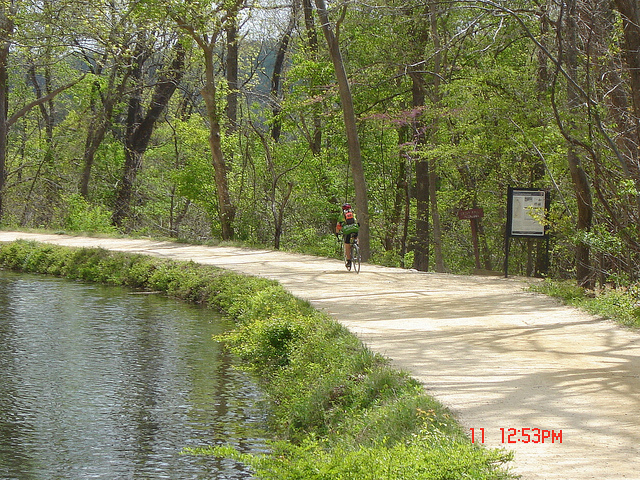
(346, 206)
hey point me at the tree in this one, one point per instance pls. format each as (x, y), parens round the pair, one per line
(205, 26)
(438, 55)
(140, 125)
(232, 72)
(351, 127)
(630, 11)
(424, 33)
(104, 49)
(8, 11)
(420, 36)
(315, 137)
(625, 104)
(277, 195)
(278, 67)
(581, 184)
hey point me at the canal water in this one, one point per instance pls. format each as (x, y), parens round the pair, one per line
(102, 383)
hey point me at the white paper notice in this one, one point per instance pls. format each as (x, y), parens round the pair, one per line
(527, 213)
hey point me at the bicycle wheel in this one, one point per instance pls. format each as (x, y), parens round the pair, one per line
(355, 253)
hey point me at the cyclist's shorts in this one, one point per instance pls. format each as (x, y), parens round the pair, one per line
(347, 238)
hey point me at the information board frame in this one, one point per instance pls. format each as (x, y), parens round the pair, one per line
(521, 204)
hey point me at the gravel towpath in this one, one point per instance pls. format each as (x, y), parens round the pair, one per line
(518, 367)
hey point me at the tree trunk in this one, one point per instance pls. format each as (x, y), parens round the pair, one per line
(232, 73)
(355, 159)
(207, 43)
(422, 242)
(225, 207)
(420, 36)
(585, 214)
(435, 218)
(101, 118)
(436, 98)
(6, 32)
(421, 247)
(628, 116)
(95, 136)
(46, 108)
(630, 11)
(394, 220)
(276, 77)
(581, 184)
(4, 90)
(315, 138)
(51, 187)
(543, 77)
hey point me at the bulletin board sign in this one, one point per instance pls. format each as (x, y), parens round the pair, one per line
(526, 212)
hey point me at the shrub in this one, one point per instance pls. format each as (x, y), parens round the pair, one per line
(81, 216)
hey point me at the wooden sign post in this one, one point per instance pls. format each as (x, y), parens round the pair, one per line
(473, 214)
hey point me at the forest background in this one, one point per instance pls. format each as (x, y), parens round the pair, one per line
(255, 120)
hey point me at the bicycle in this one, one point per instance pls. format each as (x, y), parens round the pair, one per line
(356, 258)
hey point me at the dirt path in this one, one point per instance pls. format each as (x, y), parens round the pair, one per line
(499, 357)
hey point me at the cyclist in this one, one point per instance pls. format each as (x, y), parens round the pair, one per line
(348, 226)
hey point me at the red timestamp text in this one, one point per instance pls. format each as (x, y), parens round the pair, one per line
(519, 435)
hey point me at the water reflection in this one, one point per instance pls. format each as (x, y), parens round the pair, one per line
(100, 383)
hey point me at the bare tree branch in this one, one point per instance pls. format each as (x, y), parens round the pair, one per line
(23, 111)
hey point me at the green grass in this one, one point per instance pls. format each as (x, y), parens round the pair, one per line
(337, 410)
(621, 305)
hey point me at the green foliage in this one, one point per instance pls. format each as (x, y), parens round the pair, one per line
(602, 241)
(568, 291)
(313, 241)
(425, 459)
(183, 159)
(267, 344)
(26, 257)
(233, 296)
(81, 216)
(619, 304)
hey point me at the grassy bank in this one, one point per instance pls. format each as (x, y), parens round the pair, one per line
(338, 411)
(621, 305)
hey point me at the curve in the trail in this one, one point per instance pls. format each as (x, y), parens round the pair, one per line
(557, 386)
